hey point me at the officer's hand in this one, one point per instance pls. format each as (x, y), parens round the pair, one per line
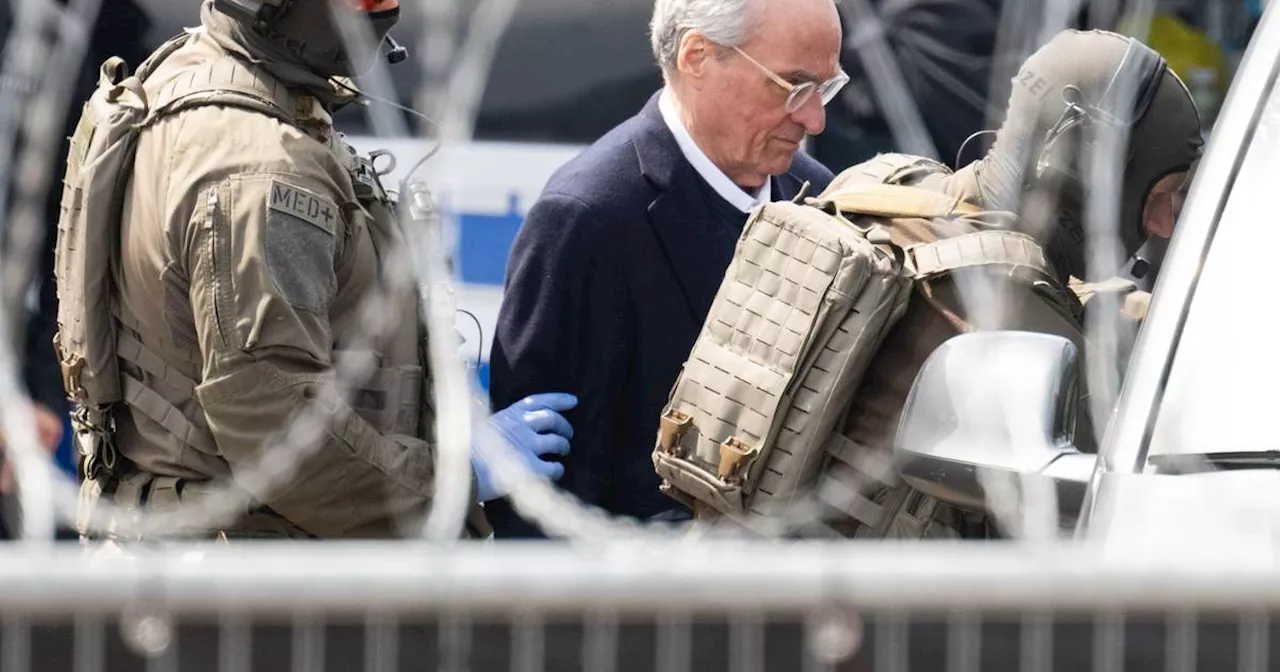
(1136, 305)
(534, 429)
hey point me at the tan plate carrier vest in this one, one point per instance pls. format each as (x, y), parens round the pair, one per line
(804, 305)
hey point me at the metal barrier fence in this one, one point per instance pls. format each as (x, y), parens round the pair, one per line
(617, 608)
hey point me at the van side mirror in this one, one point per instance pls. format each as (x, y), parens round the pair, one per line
(995, 407)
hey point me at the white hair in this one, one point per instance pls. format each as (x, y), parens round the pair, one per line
(725, 22)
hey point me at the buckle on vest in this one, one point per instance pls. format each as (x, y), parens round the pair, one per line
(671, 428)
(734, 453)
(94, 431)
(71, 368)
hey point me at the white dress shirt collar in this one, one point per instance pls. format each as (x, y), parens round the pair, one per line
(715, 177)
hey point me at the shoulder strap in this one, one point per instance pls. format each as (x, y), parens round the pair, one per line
(1017, 252)
(893, 168)
(980, 248)
(217, 82)
(114, 76)
(894, 200)
(884, 169)
(226, 82)
(159, 55)
(121, 89)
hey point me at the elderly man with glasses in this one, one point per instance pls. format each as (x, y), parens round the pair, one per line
(613, 272)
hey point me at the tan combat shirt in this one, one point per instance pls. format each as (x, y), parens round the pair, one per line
(248, 261)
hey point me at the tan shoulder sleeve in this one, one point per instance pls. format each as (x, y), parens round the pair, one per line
(262, 280)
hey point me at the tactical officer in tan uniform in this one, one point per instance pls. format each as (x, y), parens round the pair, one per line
(1060, 96)
(259, 255)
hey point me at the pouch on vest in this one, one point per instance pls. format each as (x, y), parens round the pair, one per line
(98, 165)
(804, 306)
(806, 300)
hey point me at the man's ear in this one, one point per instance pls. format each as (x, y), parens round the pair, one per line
(695, 52)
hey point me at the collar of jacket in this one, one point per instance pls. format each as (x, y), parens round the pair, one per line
(253, 47)
(656, 148)
(661, 160)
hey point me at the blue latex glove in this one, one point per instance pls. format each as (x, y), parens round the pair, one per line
(534, 428)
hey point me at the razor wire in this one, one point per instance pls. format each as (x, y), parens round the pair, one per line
(23, 231)
(425, 263)
(887, 82)
(445, 393)
(1106, 161)
(278, 462)
(429, 266)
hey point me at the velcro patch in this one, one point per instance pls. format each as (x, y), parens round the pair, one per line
(309, 207)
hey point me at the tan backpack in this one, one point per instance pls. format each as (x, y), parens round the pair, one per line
(804, 306)
(88, 343)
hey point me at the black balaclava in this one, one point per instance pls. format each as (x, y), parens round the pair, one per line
(1079, 66)
(306, 30)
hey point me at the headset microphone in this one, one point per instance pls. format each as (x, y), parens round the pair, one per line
(396, 53)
